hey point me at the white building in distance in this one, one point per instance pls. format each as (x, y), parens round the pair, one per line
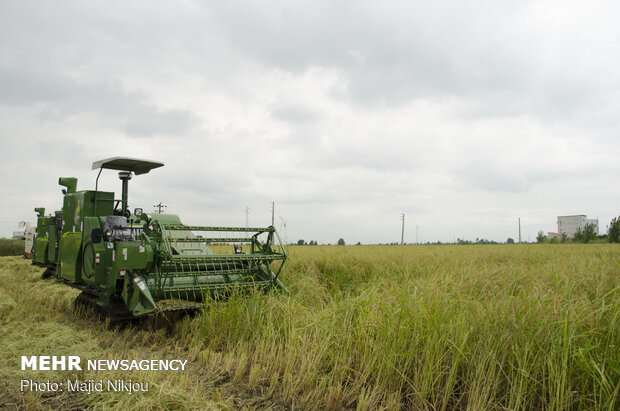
(568, 224)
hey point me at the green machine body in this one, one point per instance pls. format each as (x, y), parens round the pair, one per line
(129, 264)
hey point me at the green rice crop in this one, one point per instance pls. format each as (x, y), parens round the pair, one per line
(10, 246)
(441, 327)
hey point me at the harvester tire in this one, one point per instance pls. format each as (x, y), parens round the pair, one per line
(115, 313)
(48, 273)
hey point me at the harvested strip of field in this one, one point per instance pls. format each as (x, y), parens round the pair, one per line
(486, 327)
(37, 318)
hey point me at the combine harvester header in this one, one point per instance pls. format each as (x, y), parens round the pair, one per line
(128, 265)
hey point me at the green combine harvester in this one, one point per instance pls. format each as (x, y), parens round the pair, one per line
(128, 265)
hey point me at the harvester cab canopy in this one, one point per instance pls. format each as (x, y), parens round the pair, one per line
(127, 166)
(133, 165)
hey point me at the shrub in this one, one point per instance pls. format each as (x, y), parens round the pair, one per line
(613, 231)
(586, 234)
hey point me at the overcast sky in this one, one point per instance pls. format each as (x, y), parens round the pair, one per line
(464, 116)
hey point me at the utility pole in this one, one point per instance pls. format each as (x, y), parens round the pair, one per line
(416, 234)
(159, 207)
(247, 213)
(402, 233)
(273, 212)
(519, 230)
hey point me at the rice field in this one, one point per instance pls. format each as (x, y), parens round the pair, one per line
(364, 327)
(11, 246)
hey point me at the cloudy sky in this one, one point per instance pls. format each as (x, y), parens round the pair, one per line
(465, 116)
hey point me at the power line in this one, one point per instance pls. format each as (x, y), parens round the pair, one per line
(283, 228)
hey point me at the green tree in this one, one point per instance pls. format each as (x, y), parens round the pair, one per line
(341, 242)
(585, 234)
(578, 236)
(613, 232)
(510, 240)
(541, 237)
(301, 242)
(589, 232)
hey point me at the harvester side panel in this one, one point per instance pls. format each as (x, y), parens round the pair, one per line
(70, 257)
(81, 204)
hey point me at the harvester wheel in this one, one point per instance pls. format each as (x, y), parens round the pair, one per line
(48, 273)
(85, 302)
(115, 314)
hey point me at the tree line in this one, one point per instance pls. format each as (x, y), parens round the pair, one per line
(586, 234)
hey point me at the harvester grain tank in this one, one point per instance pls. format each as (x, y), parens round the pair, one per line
(21, 233)
(131, 264)
(29, 241)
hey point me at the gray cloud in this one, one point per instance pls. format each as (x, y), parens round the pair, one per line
(508, 60)
(60, 97)
(296, 114)
(464, 116)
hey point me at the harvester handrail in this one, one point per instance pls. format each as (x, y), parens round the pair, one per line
(177, 227)
(174, 274)
(225, 257)
(211, 240)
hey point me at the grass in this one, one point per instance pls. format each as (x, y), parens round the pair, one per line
(10, 246)
(367, 327)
